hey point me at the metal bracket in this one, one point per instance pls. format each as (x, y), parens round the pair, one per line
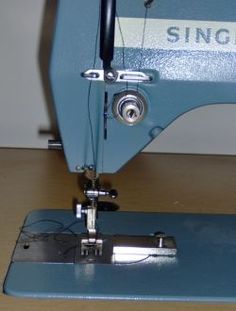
(119, 76)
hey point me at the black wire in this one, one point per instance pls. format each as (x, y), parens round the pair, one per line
(143, 38)
(67, 228)
(89, 96)
(91, 124)
(142, 42)
(135, 262)
(122, 39)
(70, 249)
(35, 237)
(42, 220)
(123, 46)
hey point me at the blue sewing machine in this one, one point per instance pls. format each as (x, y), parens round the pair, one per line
(121, 72)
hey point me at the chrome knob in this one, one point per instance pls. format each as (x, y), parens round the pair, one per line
(129, 107)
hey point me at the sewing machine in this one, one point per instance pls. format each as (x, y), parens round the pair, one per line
(121, 72)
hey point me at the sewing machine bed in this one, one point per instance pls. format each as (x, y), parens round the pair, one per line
(204, 269)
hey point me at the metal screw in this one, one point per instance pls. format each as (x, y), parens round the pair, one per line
(160, 237)
(110, 76)
(79, 168)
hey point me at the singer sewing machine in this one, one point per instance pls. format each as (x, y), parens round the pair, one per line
(121, 72)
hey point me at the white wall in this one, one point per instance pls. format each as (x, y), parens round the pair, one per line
(23, 108)
(25, 111)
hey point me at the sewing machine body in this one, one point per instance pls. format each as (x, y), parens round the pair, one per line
(170, 58)
(186, 75)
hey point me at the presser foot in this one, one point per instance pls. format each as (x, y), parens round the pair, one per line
(126, 248)
(95, 247)
(88, 248)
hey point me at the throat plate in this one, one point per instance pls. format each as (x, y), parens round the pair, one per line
(68, 248)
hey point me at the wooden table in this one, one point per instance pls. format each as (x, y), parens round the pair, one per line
(36, 179)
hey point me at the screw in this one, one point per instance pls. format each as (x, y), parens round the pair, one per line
(160, 237)
(110, 75)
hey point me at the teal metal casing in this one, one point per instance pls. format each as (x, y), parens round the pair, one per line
(184, 79)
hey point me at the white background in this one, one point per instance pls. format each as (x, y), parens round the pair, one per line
(26, 115)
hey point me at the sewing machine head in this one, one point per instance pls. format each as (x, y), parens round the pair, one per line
(119, 80)
(121, 76)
